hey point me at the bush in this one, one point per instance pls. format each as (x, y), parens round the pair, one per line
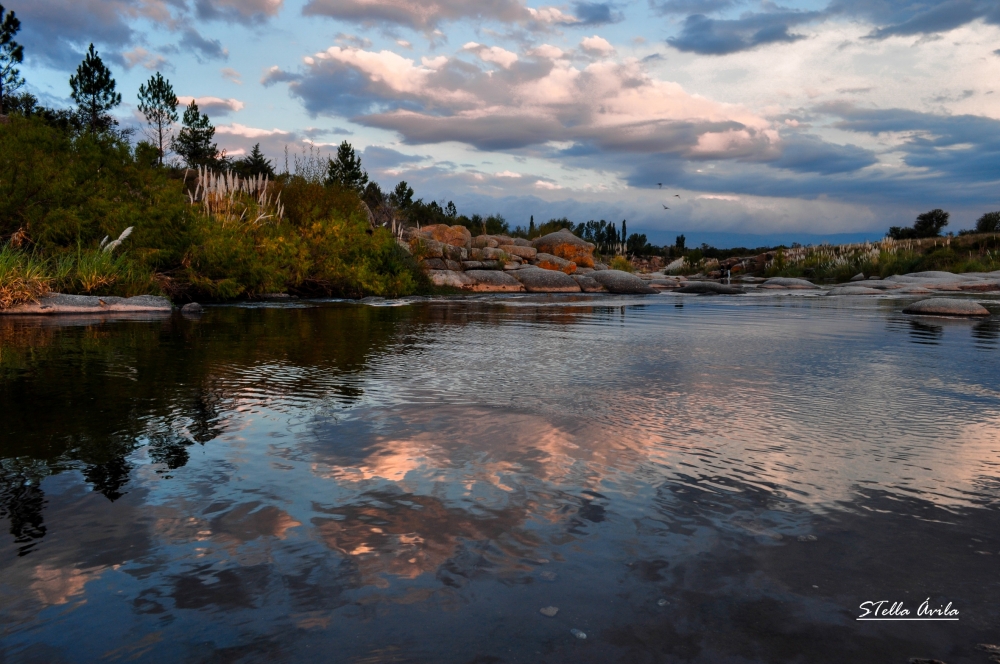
(988, 223)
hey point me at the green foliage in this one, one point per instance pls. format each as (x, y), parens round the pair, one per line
(158, 103)
(194, 142)
(11, 55)
(621, 263)
(93, 89)
(23, 277)
(254, 164)
(402, 196)
(928, 224)
(679, 243)
(637, 244)
(346, 169)
(988, 223)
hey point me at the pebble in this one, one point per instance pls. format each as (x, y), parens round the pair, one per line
(549, 611)
(807, 538)
(662, 602)
(578, 634)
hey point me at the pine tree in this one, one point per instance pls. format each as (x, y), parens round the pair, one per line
(346, 169)
(158, 103)
(94, 91)
(254, 164)
(194, 141)
(11, 55)
(402, 195)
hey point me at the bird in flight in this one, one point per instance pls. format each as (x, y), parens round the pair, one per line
(660, 185)
(665, 207)
(677, 195)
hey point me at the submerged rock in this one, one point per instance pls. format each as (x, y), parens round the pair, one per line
(788, 283)
(59, 303)
(192, 308)
(617, 281)
(549, 611)
(710, 288)
(854, 290)
(946, 306)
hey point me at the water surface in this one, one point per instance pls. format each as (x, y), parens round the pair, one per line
(688, 479)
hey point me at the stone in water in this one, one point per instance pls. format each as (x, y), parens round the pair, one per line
(549, 611)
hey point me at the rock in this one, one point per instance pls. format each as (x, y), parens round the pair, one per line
(600, 266)
(490, 254)
(549, 611)
(433, 264)
(946, 306)
(372, 299)
(524, 252)
(676, 266)
(274, 297)
(456, 236)
(456, 253)
(521, 242)
(663, 284)
(472, 265)
(578, 634)
(550, 262)
(860, 276)
(617, 281)
(567, 246)
(192, 308)
(587, 285)
(710, 288)
(493, 281)
(483, 241)
(788, 283)
(546, 281)
(452, 265)
(426, 247)
(452, 279)
(913, 290)
(58, 303)
(662, 602)
(980, 286)
(854, 290)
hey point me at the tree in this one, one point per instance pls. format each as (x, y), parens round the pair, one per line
(402, 195)
(194, 141)
(680, 242)
(158, 103)
(928, 224)
(11, 55)
(94, 91)
(988, 223)
(346, 169)
(254, 164)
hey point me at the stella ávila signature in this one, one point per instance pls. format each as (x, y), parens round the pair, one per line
(888, 610)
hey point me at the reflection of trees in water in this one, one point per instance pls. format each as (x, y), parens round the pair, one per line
(925, 333)
(987, 332)
(22, 501)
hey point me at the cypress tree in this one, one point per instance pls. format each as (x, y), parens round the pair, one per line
(94, 91)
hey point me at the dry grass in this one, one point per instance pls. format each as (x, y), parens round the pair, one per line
(23, 278)
(236, 202)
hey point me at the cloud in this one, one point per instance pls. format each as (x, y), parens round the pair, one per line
(690, 6)
(916, 17)
(238, 11)
(427, 15)
(708, 36)
(141, 57)
(232, 75)
(244, 131)
(596, 13)
(210, 49)
(214, 105)
(597, 45)
(376, 158)
(493, 54)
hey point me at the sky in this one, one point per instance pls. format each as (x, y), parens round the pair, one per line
(730, 121)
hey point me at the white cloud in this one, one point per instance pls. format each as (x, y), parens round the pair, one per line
(597, 45)
(213, 105)
(493, 54)
(243, 131)
(232, 75)
(139, 56)
(507, 174)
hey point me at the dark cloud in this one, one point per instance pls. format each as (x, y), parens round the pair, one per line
(56, 32)
(805, 153)
(690, 6)
(709, 36)
(378, 158)
(204, 49)
(596, 13)
(916, 17)
(237, 11)
(491, 132)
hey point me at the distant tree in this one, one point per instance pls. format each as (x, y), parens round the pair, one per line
(11, 55)
(402, 196)
(254, 164)
(531, 226)
(988, 223)
(24, 103)
(679, 242)
(93, 90)
(638, 244)
(194, 141)
(158, 103)
(346, 169)
(373, 195)
(450, 210)
(928, 224)
(496, 225)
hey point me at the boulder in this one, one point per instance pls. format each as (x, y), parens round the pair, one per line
(514, 250)
(676, 265)
(709, 288)
(946, 306)
(427, 247)
(587, 285)
(455, 266)
(489, 254)
(854, 290)
(860, 276)
(788, 283)
(455, 253)
(58, 303)
(617, 281)
(433, 264)
(546, 281)
(192, 308)
(472, 265)
(600, 266)
(550, 262)
(493, 281)
(452, 279)
(663, 284)
(521, 242)
(456, 236)
(484, 241)
(567, 246)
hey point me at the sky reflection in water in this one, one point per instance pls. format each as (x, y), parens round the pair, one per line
(687, 480)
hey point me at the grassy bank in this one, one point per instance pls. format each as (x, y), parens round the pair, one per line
(67, 196)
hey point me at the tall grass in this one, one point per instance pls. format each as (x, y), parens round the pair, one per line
(23, 277)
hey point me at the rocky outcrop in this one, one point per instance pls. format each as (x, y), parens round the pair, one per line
(493, 281)
(58, 303)
(788, 283)
(550, 262)
(455, 236)
(946, 306)
(709, 288)
(451, 279)
(617, 281)
(567, 246)
(588, 284)
(854, 290)
(537, 280)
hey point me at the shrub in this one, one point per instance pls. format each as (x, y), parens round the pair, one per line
(621, 263)
(23, 277)
(988, 223)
